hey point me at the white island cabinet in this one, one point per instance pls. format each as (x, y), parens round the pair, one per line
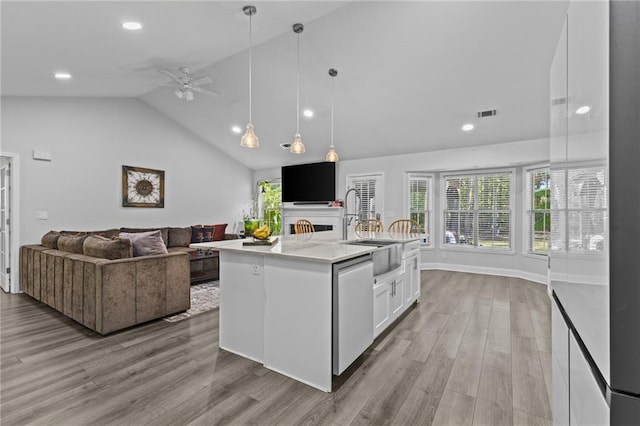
(279, 304)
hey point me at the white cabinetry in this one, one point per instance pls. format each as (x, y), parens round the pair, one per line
(587, 404)
(412, 279)
(387, 300)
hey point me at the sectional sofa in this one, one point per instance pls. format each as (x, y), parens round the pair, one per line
(109, 280)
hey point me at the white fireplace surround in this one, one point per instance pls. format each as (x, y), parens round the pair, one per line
(318, 214)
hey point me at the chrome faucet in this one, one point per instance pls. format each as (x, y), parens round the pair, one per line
(348, 217)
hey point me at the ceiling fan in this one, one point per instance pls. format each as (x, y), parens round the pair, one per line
(186, 84)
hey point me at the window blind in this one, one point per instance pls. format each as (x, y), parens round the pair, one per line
(538, 210)
(420, 202)
(477, 210)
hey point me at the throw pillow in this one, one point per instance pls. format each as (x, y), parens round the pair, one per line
(219, 231)
(116, 248)
(164, 232)
(201, 234)
(146, 243)
(50, 239)
(71, 243)
(179, 237)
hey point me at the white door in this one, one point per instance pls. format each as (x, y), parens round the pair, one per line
(5, 252)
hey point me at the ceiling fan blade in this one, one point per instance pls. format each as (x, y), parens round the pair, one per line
(205, 79)
(171, 76)
(205, 91)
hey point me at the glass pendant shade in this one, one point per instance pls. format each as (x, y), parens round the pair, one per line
(332, 155)
(249, 139)
(297, 147)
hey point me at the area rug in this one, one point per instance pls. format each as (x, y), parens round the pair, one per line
(204, 297)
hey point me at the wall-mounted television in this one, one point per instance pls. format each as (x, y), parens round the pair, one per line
(309, 183)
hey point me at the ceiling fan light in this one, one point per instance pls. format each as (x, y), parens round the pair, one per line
(297, 147)
(179, 93)
(332, 155)
(188, 95)
(249, 139)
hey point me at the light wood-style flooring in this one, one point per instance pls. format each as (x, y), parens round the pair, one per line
(475, 351)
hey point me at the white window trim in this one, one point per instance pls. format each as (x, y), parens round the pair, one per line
(526, 172)
(443, 202)
(407, 207)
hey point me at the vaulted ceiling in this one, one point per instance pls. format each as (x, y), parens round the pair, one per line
(410, 74)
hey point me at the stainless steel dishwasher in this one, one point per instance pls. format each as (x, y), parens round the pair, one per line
(352, 310)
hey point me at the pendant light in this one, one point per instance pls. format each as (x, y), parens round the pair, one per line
(249, 139)
(332, 155)
(297, 147)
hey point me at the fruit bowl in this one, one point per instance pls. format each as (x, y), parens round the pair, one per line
(262, 233)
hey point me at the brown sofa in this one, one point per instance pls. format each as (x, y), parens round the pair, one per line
(110, 289)
(106, 295)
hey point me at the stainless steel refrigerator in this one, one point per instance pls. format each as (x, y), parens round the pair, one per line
(595, 215)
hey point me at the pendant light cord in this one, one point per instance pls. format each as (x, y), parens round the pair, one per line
(298, 90)
(332, 110)
(250, 63)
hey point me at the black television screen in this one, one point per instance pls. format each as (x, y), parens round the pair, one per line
(314, 182)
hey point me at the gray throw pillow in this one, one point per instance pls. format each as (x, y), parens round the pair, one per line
(146, 243)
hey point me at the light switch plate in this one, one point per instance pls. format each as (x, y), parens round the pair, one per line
(42, 215)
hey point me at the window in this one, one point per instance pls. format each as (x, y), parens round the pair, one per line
(370, 189)
(579, 215)
(420, 202)
(272, 203)
(538, 222)
(477, 210)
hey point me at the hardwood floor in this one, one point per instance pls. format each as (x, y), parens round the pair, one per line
(475, 351)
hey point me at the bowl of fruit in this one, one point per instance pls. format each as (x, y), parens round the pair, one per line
(262, 233)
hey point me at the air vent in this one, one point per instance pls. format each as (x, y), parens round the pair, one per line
(285, 145)
(487, 113)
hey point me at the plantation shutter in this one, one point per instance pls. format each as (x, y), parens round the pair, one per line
(538, 212)
(419, 203)
(478, 210)
(367, 190)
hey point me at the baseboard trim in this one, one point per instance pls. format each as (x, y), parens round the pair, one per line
(514, 273)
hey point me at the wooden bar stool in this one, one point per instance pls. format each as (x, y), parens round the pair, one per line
(304, 226)
(405, 226)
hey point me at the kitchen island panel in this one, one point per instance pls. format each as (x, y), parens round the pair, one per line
(297, 321)
(242, 304)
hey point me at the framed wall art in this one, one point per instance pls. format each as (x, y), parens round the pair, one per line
(142, 187)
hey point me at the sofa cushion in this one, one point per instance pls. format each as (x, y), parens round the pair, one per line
(146, 243)
(179, 237)
(107, 233)
(50, 239)
(201, 234)
(163, 231)
(106, 248)
(71, 243)
(218, 231)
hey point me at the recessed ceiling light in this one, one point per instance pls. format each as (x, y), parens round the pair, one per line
(132, 26)
(467, 127)
(236, 129)
(307, 113)
(583, 109)
(62, 75)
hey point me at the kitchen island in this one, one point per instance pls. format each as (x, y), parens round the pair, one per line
(305, 306)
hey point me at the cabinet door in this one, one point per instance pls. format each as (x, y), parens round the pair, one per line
(397, 296)
(381, 307)
(414, 272)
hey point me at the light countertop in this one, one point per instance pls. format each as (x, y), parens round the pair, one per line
(318, 246)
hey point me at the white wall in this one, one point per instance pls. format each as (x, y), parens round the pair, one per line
(515, 154)
(90, 139)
